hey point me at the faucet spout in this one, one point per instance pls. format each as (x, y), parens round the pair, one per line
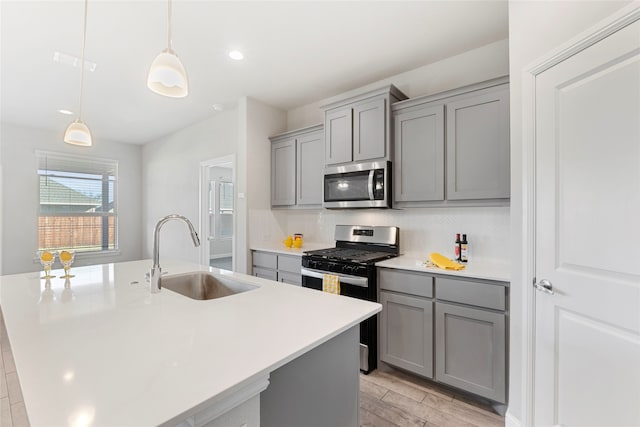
(156, 271)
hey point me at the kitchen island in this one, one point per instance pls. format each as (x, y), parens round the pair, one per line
(102, 350)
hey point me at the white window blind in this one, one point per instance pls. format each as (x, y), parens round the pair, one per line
(77, 202)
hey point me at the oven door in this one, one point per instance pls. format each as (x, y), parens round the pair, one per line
(363, 185)
(356, 287)
(351, 286)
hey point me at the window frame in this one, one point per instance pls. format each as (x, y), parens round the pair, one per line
(87, 165)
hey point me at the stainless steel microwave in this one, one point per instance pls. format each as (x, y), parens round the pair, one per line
(360, 185)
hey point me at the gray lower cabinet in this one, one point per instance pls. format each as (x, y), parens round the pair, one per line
(297, 164)
(453, 147)
(406, 332)
(470, 350)
(278, 267)
(449, 329)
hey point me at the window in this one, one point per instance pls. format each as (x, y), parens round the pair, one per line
(77, 203)
(221, 209)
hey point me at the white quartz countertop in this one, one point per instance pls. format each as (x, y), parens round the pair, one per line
(281, 249)
(475, 269)
(105, 351)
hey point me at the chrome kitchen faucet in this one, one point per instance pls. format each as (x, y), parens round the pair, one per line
(156, 271)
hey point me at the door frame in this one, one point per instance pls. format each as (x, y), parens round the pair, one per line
(593, 35)
(203, 208)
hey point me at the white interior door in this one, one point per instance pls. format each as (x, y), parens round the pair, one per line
(587, 334)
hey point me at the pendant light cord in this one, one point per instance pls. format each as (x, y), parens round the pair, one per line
(84, 43)
(169, 29)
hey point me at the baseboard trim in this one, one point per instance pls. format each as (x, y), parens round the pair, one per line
(511, 421)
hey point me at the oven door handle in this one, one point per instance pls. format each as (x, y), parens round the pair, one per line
(371, 176)
(362, 282)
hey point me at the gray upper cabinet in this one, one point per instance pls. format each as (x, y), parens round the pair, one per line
(419, 155)
(338, 136)
(478, 146)
(453, 147)
(369, 129)
(297, 163)
(358, 128)
(283, 172)
(309, 149)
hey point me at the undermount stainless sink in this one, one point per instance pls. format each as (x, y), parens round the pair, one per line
(203, 286)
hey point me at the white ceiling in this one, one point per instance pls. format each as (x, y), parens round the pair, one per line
(296, 52)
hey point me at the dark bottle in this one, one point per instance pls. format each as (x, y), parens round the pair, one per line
(457, 248)
(464, 249)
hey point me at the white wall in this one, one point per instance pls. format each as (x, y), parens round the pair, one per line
(470, 67)
(421, 230)
(258, 121)
(535, 28)
(171, 179)
(20, 200)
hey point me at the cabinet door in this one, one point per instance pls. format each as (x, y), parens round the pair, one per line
(369, 139)
(470, 350)
(338, 136)
(478, 146)
(406, 335)
(310, 166)
(419, 155)
(283, 173)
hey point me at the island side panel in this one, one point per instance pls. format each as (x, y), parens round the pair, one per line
(318, 389)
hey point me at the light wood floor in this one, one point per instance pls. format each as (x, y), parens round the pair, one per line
(390, 398)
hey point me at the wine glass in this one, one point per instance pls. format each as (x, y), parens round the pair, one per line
(47, 259)
(66, 258)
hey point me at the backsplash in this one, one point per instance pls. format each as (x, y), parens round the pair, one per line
(422, 230)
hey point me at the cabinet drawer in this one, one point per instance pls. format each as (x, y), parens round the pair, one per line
(472, 293)
(290, 278)
(265, 260)
(406, 282)
(291, 264)
(265, 274)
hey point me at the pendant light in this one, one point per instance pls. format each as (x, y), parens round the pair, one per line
(78, 133)
(167, 75)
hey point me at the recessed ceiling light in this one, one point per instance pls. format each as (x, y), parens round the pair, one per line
(236, 54)
(218, 107)
(65, 112)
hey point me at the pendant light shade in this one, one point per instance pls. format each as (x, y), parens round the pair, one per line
(167, 75)
(78, 133)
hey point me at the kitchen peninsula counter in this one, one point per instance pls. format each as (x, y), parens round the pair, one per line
(106, 351)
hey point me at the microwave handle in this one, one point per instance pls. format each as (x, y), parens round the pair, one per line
(371, 176)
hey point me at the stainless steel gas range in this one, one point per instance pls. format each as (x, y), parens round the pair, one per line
(353, 260)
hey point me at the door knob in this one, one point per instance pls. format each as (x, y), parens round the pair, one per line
(544, 286)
